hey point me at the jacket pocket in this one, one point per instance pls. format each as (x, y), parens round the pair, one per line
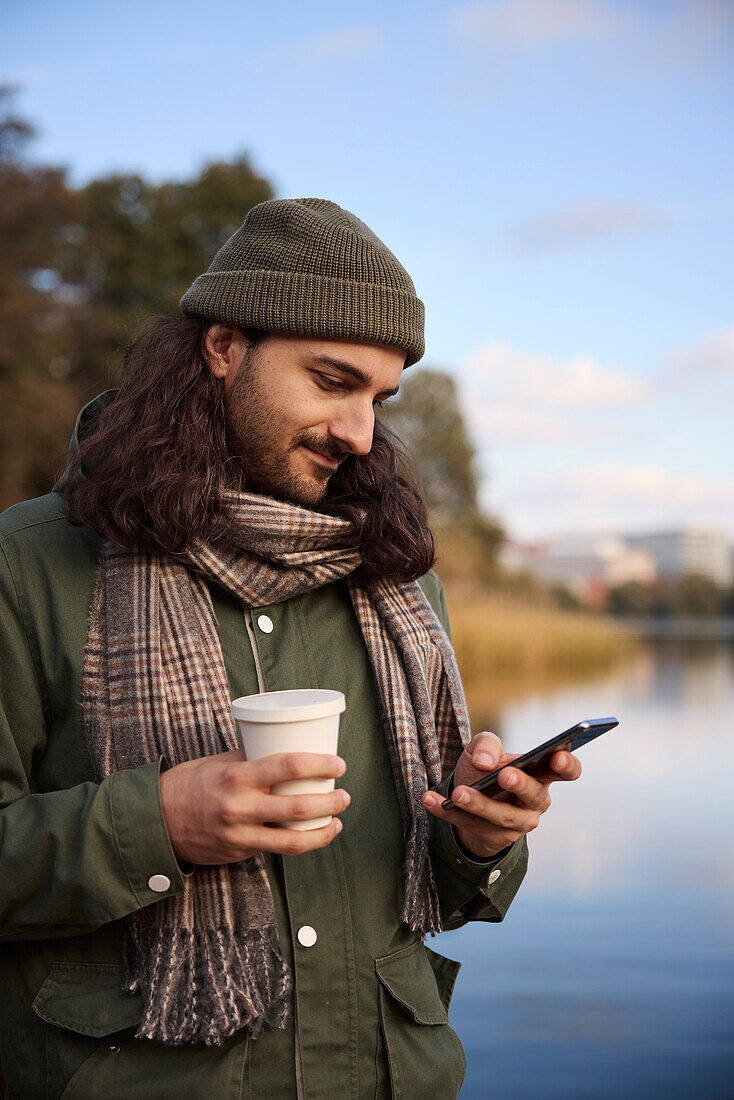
(86, 998)
(87, 1013)
(91, 1050)
(424, 1054)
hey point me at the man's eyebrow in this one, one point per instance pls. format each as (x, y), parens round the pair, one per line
(352, 371)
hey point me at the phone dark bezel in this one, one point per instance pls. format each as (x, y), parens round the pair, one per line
(532, 761)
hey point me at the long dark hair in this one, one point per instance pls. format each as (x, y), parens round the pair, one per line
(150, 471)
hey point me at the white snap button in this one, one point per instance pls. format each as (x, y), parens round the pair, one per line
(159, 883)
(307, 936)
(265, 623)
(494, 875)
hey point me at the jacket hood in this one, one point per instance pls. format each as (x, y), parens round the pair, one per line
(84, 422)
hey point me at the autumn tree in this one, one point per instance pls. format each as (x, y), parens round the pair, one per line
(35, 203)
(137, 246)
(80, 269)
(427, 417)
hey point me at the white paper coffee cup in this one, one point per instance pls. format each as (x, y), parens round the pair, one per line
(298, 720)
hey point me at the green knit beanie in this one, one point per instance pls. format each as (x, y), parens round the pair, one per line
(308, 267)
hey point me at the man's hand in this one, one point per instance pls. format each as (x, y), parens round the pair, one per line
(219, 809)
(487, 825)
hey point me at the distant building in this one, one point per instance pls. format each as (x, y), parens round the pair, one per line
(700, 550)
(588, 565)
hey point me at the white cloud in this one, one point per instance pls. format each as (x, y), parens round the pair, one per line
(339, 44)
(515, 395)
(29, 76)
(583, 223)
(505, 420)
(618, 495)
(345, 41)
(712, 355)
(647, 483)
(573, 444)
(692, 35)
(536, 24)
(620, 41)
(307, 52)
(545, 379)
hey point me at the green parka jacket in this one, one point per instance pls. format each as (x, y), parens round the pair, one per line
(370, 1016)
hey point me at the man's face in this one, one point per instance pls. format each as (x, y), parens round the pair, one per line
(298, 406)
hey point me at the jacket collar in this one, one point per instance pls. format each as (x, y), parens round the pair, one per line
(87, 415)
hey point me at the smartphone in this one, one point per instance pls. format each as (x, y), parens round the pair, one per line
(536, 760)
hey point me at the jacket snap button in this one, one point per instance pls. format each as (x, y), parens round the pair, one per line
(307, 936)
(114, 1048)
(159, 883)
(265, 623)
(494, 876)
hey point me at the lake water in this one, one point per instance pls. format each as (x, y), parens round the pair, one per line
(613, 972)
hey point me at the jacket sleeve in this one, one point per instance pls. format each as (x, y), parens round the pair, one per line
(470, 889)
(74, 859)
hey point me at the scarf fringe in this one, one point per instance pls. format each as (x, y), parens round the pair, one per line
(421, 911)
(201, 986)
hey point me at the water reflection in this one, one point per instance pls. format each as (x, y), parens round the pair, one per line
(614, 971)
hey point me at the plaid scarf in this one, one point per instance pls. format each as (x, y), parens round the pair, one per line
(207, 961)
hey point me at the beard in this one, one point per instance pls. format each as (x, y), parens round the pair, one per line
(260, 461)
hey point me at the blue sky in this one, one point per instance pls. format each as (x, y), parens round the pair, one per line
(556, 175)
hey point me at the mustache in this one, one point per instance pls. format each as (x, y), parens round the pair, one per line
(327, 449)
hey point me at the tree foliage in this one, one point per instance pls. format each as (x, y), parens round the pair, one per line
(427, 417)
(691, 594)
(34, 329)
(80, 269)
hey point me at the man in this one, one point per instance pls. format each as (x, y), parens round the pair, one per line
(232, 520)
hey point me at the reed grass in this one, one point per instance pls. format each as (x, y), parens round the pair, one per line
(506, 648)
(511, 638)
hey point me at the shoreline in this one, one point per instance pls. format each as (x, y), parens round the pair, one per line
(506, 648)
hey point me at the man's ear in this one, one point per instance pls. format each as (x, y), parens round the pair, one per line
(224, 347)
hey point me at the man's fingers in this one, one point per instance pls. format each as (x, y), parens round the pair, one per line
(282, 766)
(532, 790)
(478, 814)
(296, 807)
(565, 765)
(527, 790)
(292, 842)
(485, 750)
(562, 766)
(483, 754)
(491, 833)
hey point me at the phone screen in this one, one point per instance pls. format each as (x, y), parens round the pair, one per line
(536, 759)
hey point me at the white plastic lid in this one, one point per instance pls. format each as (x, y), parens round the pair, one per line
(288, 706)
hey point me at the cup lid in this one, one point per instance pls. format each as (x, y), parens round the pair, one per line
(293, 705)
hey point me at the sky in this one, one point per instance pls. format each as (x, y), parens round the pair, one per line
(557, 176)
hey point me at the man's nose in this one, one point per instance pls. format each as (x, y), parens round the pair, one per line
(354, 429)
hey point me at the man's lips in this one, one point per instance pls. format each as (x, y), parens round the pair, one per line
(332, 463)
